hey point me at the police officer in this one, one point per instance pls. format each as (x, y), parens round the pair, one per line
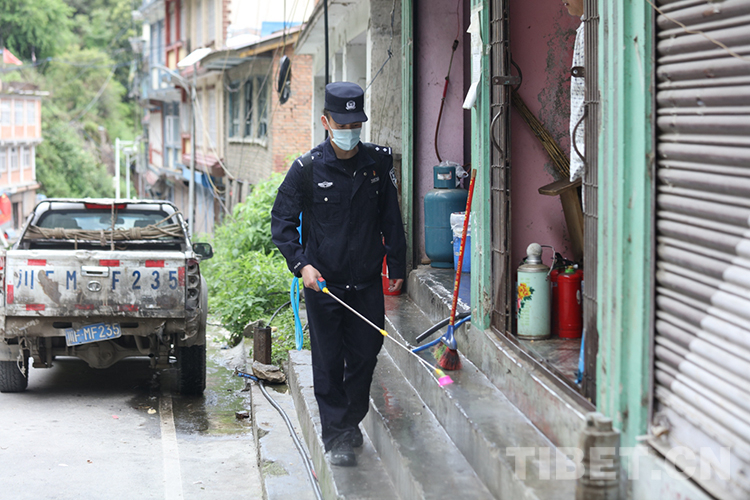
(347, 193)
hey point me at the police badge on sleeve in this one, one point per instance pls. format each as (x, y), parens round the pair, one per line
(392, 173)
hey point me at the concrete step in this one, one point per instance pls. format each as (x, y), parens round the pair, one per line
(484, 425)
(548, 402)
(420, 458)
(369, 479)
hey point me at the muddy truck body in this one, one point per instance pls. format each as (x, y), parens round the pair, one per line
(102, 280)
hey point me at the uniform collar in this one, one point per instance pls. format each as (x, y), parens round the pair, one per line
(362, 156)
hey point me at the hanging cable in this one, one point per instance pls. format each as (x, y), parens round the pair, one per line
(442, 101)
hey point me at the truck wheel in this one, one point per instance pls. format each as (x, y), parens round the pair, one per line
(192, 363)
(11, 378)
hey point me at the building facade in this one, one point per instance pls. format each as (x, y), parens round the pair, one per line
(20, 134)
(173, 31)
(262, 135)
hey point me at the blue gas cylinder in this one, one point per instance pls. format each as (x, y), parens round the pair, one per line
(439, 204)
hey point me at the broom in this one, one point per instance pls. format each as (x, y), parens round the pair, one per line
(447, 354)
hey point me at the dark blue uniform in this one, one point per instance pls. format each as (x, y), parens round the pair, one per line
(352, 208)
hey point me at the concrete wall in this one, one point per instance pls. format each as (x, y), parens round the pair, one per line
(360, 36)
(384, 97)
(542, 36)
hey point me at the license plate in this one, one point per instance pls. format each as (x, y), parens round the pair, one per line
(92, 333)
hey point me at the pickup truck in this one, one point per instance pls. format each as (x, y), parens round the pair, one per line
(102, 280)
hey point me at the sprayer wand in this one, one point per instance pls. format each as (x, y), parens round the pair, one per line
(443, 379)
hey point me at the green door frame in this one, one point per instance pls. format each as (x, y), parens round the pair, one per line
(625, 229)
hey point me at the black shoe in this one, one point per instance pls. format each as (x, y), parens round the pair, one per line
(355, 437)
(342, 452)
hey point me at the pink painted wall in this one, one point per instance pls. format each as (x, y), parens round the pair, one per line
(542, 36)
(437, 23)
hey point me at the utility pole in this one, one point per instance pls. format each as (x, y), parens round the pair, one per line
(191, 187)
(116, 180)
(119, 146)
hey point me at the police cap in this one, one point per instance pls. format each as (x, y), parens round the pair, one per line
(346, 102)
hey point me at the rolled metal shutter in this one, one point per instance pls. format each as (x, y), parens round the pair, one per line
(702, 338)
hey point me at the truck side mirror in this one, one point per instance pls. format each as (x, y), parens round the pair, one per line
(203, 250)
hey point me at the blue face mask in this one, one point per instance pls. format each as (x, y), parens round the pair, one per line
(346, 138)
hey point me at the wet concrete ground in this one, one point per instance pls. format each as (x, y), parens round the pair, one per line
(124, 433)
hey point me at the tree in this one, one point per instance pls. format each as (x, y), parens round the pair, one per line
(38, 29)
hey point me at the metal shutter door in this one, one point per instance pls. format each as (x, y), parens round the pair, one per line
(702, 337)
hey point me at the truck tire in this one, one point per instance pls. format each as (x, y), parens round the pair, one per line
(11, 378)
(192, 363)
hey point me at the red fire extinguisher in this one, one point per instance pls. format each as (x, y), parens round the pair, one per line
(567, 302)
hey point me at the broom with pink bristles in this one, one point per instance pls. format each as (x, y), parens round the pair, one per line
(447, 352)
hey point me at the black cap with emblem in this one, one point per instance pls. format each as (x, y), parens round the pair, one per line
(346, 102)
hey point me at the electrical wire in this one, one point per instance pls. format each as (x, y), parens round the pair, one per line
(96, 97)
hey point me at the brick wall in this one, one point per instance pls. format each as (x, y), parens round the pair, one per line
(290, 128)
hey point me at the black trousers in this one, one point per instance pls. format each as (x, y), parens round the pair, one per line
(344, 354)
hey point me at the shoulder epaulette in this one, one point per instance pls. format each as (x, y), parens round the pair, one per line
(305, 160)
(383, 150)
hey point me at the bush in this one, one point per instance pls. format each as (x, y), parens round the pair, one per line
(248, 278)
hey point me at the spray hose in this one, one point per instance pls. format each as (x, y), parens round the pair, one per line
(294, 298)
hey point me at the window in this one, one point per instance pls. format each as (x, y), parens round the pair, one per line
(199, 114)
(211, 21)
(172, 142)
(234, 110)
(5, 111)
(212, 117)
(25, 158)
(19, 113)
(154, 42)
(172, 124)
(13, 159)
(249, 108)
(262, 107)
(3, 161)
(183, 17)
(161, 51)
(172, 16)
(198, 24)
(31, 113)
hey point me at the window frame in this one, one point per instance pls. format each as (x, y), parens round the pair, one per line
(234, 97)
(262, 100)
(6, 112)
(18, 110)
(248, 107)
(14, 156)
(31, 113)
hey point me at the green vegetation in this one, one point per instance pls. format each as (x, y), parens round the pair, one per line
(78, 51)
(248, 278)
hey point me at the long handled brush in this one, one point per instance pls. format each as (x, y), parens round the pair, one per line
(443, 379)
(447, 353)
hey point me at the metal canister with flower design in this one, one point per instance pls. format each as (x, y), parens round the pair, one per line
(532, 299)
